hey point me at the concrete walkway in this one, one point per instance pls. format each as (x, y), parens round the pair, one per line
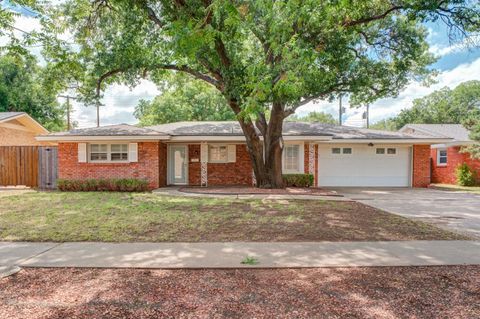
(174, 191)
(230, 255)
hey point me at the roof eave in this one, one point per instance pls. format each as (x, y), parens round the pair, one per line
(86, 138)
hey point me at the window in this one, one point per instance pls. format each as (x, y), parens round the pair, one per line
(391, 151)
(291, 158)
(442, 156)
(336, 150)
(347, 150)
(98, 152)
(380, 151)
(218, 154)
(119, 152)
(108, 152)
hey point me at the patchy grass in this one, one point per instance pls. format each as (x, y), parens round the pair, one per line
(452, 187)
(355, 292)
(133, 217)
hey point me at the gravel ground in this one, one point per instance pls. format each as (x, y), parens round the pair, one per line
(384, 292)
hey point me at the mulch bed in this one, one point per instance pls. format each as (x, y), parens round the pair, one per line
(383, 292)
(245, 190)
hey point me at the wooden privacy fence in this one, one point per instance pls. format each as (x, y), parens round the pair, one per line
(32, 166)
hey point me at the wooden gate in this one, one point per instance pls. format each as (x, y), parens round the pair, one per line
(32, 166)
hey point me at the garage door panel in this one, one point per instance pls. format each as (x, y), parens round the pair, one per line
(364, 167)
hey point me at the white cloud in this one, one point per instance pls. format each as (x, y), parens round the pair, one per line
(464, 45)
(389, 107)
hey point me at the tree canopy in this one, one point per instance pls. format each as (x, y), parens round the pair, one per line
(24, 88)
(267, 58)
(184, 99)
(445, 106)
(314, 116)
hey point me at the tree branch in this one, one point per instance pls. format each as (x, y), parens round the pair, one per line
(372, 18)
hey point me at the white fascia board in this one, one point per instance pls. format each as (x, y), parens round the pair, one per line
(66, 138)
(427, 141)
(241, 138)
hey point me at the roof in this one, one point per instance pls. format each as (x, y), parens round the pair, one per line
(209, 130)
(455, 131)
(110, 130)
(25, 121)
(7, 115)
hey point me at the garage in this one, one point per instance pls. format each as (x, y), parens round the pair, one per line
(353, 165)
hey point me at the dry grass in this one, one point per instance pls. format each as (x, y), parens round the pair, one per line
(133, 217)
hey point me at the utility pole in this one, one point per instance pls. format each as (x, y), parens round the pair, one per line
(98, 112)
(368, 115)
(68, 97)
(340, 110)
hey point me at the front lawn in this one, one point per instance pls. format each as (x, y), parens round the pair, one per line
(135, 217)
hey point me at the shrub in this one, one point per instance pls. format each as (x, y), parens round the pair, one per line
(465, 176)
(103, 185)
(298, 180)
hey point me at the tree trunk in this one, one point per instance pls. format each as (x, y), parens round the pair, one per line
(267, 168)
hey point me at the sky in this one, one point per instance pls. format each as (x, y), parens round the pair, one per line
(457, 62)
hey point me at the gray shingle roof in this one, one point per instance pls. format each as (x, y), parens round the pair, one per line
(110, 130)
(6, 115)
(456, 131)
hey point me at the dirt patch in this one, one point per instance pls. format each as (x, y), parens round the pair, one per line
(244, 190)
(384, 292)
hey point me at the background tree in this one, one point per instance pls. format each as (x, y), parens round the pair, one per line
(444, 106)
(314, 116)
(385, 124)
(23, 88)
(267, 58)
(184, 99)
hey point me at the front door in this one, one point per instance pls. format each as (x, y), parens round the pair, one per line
(178, 164)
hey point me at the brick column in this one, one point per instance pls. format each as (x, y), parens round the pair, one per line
(421, 166)
(310, 158)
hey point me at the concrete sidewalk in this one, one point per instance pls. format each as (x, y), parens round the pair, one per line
(230, 255)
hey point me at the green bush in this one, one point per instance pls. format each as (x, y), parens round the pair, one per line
(298, 180)
(103, 185)
(465, 176)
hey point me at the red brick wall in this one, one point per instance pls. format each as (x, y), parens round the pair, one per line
(306, 160)
(147, 166)
(421, 166)
(446, 174)
(238, 173)
(162, 165)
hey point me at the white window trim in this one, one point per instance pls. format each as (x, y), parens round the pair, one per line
(109, 153)
(301, 163)
(217, 161)
(438, 156)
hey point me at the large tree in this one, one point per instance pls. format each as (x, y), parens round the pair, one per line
(184, 99)
(444, 106)
(267, 58)
(314, 116)
(24, 88)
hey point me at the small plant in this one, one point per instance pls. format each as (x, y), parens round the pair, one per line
(250, 261)
(298, 180)
(465, 176)
(103, 185)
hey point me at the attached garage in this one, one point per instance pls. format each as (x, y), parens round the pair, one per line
(345, 165)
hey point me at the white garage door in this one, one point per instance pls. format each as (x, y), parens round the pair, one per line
(363, 165)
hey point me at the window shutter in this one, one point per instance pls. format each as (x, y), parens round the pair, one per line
(204, 153)
(232, 153)
(82, 152)
(133, 152)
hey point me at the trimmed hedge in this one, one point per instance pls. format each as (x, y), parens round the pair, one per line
(103, 185)
(298, 180)
(465, 176)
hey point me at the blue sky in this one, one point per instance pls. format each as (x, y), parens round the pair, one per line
(457, 63)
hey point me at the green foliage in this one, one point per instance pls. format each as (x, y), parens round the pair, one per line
(314, 116)
(23, 88)
(298, 180)
(465, 175)
(385, 125)
(250, 261)
(473, 124)
(103, 185)
(184, 99)
(444, 106)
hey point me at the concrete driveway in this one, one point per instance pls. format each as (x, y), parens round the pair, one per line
(459, 211)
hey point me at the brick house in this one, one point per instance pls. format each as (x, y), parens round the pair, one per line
(446, 157)
(19, 129)
(215, 153)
